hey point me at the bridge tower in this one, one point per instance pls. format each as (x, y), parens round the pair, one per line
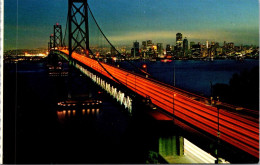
(57, 36)
(49, 46)
(51, 43)
(78, 26)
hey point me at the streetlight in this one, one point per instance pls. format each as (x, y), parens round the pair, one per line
(144, 66)
(174, 95)
(218, 133)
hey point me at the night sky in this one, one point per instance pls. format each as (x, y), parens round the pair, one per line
(124, 21)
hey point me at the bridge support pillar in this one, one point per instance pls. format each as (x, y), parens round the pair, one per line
(171, 146)
(51, 41)
(167, 149)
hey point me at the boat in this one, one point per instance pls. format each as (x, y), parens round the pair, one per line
(79, 104)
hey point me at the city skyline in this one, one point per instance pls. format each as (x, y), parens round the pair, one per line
(124, 22)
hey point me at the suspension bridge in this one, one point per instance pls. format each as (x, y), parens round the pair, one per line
(84, 45)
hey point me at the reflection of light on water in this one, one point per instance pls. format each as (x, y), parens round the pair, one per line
(60, 115)
(93, 111)
(88, 111)
(97, 111)
(83, 111)
(64, 112)
(74, 112)
(69, 112)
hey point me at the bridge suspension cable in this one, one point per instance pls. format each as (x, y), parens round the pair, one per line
(81, 35)
(113, 47)
(65, 32)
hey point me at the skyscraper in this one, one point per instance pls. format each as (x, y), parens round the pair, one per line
(185, 47)
(149, 43)
(207, 44)
(178, 40)
(144, 45)
(135, 49)
(185, 44)
(136, 45)
(168, 49)
(160, 48)
(178, 37)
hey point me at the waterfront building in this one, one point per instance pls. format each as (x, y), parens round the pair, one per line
(135, 49)
(231, 45)
(144, 45)
(185, 44)
(160, 48)
(219, 51)
(179, 40)
(168, 49)
(185, 47)
(149, 43)
(191, 44)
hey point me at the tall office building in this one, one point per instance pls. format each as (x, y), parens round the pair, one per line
(178, 37)
(178, 40)
(168, 49)
(207, 44)
(191, 44)
(149, 43)
(185, 44)
(144, 45)
(160, 48)
(136, 45)
(135, 49)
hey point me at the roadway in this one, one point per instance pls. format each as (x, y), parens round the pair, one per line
(235, 128)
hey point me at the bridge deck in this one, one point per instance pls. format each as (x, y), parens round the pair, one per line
(236, 128)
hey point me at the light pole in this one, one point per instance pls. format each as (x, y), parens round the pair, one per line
(144, 66)
(174, 95)
(218, 133)
(173, 90)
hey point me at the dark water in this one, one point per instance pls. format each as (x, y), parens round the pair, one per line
(195, 76)
(35, 133)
